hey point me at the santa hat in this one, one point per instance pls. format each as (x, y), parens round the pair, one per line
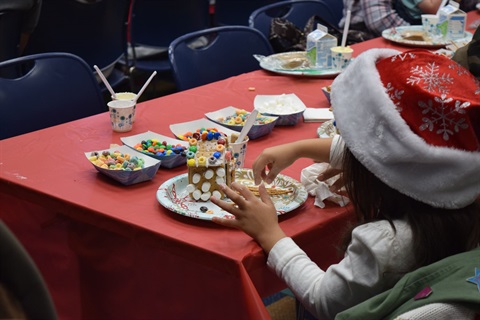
(413, 119)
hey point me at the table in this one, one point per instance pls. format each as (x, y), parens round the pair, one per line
(108, 251)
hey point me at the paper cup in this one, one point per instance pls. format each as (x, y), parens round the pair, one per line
(121, 114)
(341, 57)
(239, 150)
(128, 96)
(429, 23)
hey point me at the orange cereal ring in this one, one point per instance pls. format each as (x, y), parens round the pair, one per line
(220, 147)
(204, 135)
(238, 120)
(193, 142)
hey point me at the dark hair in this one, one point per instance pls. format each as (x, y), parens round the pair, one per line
(437, 233)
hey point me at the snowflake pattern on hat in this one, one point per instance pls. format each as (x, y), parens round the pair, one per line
(437, 106)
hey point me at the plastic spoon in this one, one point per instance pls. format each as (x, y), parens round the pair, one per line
(145, 85)
(105, 81)
(346, 27)
(248, 125)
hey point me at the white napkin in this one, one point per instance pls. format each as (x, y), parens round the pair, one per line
(317, 115)
(321, 189)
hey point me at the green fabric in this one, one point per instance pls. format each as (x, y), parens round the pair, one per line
(469, 55)
(447, 279)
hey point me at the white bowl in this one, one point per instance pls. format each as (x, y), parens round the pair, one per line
(258, 130)
(287, 107)
(125, 177)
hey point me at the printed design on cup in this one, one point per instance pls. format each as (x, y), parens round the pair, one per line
(121, 119)
(341, 57)
(239, 155)
(121, 115)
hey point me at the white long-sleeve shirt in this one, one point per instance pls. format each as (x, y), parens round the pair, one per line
(375, 260)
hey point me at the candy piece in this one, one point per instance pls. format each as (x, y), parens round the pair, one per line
(196, 178)
(197, 194)
(209, 174)
(203, 209)
(221, 172)
(216, 194)
(202, 160)
(206, 186)
(190, 188)
(205, 196)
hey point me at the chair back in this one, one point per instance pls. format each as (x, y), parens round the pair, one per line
(156, 23)
(237, 12)
(296, 11)
(217, 53)
(10, 30)
(53, 88)
(21, 277)
(94, 30)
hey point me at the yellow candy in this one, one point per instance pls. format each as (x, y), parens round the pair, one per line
(191, 162)
(202, 160)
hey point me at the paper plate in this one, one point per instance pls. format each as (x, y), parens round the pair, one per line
(397, 35)
(173, 195)
(293, 64)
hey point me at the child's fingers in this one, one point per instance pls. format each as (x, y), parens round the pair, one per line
(230, 223)
(264, 196)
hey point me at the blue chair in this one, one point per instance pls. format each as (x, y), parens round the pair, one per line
(296, 11)
(94, 30)
(21, 278)
(237, 12)
(217, 53)
(156, 23)
(53, 88)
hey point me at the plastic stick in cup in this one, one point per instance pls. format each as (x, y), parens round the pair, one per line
(100, 73)
(248, 125)
(145, 85)
(346, 27)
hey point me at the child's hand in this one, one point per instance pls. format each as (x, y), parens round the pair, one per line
(257, 217)
(275, 159)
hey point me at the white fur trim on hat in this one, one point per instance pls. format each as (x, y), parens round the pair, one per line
(383, 142)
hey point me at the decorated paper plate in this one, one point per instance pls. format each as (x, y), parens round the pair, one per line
(415, 36)
(293, 63)
(172, 195)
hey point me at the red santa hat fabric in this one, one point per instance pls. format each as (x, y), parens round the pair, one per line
(413, 119)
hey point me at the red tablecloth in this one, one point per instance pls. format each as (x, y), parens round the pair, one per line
(109, 251)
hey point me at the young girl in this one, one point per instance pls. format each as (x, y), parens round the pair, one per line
(410, 153)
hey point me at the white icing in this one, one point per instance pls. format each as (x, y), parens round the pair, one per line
(196, 178)
(206, 196)
(206, 186)
(220, 180)
(209, 174)
(221, 172)
(217, 194)
(190, 188)
(197, 194)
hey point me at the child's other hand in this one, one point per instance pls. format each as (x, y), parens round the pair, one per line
(257, 217)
